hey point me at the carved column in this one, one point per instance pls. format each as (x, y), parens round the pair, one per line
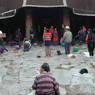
(28, 23)
(66, 17)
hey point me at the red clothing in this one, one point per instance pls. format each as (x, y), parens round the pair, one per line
(86, 37)
(51, 30)
(47, 36)
(84, 29)
(55, 38)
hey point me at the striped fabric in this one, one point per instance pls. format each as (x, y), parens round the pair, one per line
(45, 83)
(47, 36)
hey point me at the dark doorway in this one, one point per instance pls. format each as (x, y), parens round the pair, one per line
(78, 21)
(46, 17)
(41, 17)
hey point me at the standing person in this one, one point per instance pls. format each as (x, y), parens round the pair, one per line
(45, 84)
(51, 30)
(32, 36)
(47, 40)
(44, 31)
(62, 31)
(84, 30)
(90, 42)
(55, 37)
(81, 36)
(67, 39)
(18, 36)
(61, 35)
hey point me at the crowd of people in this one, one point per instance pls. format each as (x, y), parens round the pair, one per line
(87, 35)
(45, 83)
(52, 37)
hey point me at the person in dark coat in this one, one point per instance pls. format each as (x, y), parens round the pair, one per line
(90, 42)
(18, 36)
(80, 35)
(62, 30)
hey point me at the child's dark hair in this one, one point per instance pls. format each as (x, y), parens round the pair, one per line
(46, 67)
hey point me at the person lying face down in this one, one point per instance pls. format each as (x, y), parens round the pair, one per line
(2, 49)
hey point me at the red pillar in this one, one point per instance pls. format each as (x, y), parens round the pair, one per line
(28, 27)
(66, 19)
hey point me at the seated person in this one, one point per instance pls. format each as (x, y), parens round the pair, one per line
(27, 45)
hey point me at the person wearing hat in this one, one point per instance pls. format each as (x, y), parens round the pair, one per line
(67, 37)
(45, 84)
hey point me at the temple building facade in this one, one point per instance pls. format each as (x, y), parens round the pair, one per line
(39, 13)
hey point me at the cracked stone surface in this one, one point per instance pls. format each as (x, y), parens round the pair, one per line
(18, 71)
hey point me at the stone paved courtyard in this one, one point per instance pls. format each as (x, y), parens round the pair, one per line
(18, 70)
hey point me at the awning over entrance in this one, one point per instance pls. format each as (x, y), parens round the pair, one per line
(8, 7)
(44, 3)
(80, 7)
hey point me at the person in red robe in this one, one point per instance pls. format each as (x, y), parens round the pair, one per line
(51, 30)
(55, 37)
